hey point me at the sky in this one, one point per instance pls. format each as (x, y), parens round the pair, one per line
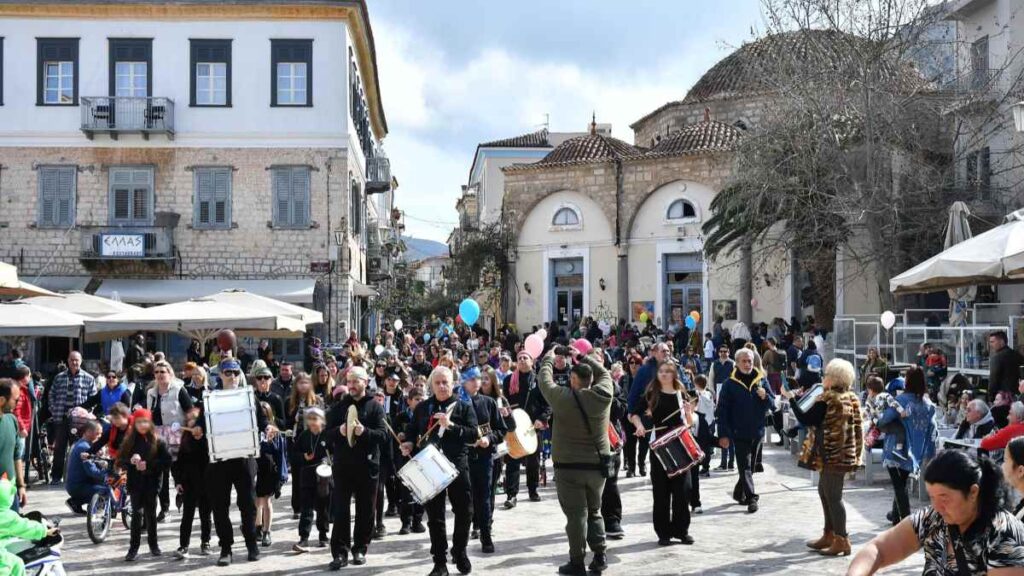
(455, 73)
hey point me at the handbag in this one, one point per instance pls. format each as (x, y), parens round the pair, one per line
(608, 467)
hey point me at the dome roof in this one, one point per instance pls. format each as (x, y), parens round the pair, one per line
(585, 149)
(739, 73)
(706, 136)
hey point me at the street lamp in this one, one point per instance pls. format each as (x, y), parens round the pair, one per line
(1018, 116)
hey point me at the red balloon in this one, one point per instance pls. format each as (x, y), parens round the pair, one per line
(458, 318)
(226, 340)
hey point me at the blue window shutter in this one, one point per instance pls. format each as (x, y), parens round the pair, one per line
(204, 189)
(282, 197)
(300, 196)
(221, 197)
(48, 192)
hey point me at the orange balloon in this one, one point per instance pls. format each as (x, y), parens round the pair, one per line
(695, 315)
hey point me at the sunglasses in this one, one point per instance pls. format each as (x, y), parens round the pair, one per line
(263, 377)
(230, 372)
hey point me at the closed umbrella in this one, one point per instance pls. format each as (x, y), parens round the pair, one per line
(958, 229)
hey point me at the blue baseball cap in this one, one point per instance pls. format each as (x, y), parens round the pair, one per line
(230, 364)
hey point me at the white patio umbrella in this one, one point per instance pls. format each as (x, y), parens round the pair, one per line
(958, 229)
(27, 320)
(239, 297)
(995, 257)
(199, 318)
(84, 304)
(10, 285)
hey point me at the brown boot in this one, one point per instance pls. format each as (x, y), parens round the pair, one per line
(822, 543)
(840, 547)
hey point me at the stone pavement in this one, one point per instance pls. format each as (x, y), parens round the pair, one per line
(530, 539)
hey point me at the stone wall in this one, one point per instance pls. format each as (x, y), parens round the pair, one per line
(674, 117)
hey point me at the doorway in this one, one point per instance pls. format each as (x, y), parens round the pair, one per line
(567, 288)
(683, 289)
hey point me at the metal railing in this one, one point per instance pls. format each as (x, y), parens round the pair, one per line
(127, 243)
(378, 174)
(122, 114)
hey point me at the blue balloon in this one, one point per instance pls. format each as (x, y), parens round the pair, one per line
(469, 310)
(690, 322)
(426, 337)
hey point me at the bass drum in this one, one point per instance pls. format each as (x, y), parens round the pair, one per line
(522, 441)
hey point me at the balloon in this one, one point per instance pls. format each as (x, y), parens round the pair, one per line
(582, 345)
(469, 310)
(534, 346)
(378, 349)
(644, 317)
(426, 338)
(690, 322)
(888, 319)
(695, 315)
(753, 302)
(542, 333)
(398, 324)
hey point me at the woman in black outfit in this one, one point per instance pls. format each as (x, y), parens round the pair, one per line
(1013, 470)
(636, 447)
(664, 407)
(146, 458)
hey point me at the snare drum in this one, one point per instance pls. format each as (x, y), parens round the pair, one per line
(500, 451)
(427, 474)
(677, 451)
(522, 440)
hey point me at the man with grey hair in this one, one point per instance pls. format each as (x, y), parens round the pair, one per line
(69, 389)
(978, 421)
(743, 401)
(1000, 439)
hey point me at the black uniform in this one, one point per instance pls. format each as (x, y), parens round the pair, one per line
(356, 471)
(481, 463)
(276, 404)
(388, 484)
(309, 450)
(410, 510)
(528, 398)
(611, 501)
(453, 446)
(239, 473)
(189, 470)
(143, 487)
(671, 495)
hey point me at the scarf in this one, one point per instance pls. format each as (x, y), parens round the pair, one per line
(974, 427)
(513, 386)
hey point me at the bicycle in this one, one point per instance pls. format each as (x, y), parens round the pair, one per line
(105, 506)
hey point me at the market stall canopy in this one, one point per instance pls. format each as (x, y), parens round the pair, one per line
(10, 285)
(995, 257)
(166, 291)
(83, 304)
(239, 297)
(27, 320)
(199, 318)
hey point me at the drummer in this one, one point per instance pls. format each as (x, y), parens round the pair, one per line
(239, 473)
(450, 424)
(664, 408)
(356, 467)
(521, 390)
(481, 459)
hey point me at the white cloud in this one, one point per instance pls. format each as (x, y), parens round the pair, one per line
(438, 111)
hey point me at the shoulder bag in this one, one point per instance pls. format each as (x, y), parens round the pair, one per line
(607, 466)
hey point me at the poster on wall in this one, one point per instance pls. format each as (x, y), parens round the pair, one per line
(724, 308)
(639, 308)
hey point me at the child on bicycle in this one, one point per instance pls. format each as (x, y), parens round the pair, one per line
(189, 472)
(271, 474)
(145, 456)
(309, 450)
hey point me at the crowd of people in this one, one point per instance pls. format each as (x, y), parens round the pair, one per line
(605, 399)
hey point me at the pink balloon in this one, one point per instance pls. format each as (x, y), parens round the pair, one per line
(542, 333)
(534, 346)
(753, 302)
(582, 345)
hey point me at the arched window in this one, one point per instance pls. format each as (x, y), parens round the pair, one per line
(566, 217)
(681, 210)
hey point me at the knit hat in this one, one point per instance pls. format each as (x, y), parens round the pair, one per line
(358, 372)
(142, 413)
(314, 412)
(263, 372)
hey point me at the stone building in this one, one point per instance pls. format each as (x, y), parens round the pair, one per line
(166, 150)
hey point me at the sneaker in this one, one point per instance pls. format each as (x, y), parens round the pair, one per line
(161, 517)
(323, 542)
(664, 541)
(614, 531)
(418, 527)
(76, 508)
(155, 551)
(131, 556)
(534, 497)
(182, 553)
(752, 507)
(573, 569)
(686, 539)
(698, 510)
(266, 541)
(643, 470)
(404, 529)
(254, 554)
(599, 563)
(338, 563)
(358, 558)
(225, 558)
(721, 468)
(205, 549)
(301, 546)
(440, 569)
(380, 532)
(510, 503)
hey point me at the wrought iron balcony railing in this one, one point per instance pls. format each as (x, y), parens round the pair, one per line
(116, 115)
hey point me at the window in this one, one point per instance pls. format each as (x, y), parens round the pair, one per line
(971, 170)
(57, 196)
(354, 208)
(566, 217)
(130, 63)
(57, 73)
(292, 73)
(212, 198)
(211, 73)
(291, 197)
(979, 63)
(984, 168)
(680, 210)
(131, 196)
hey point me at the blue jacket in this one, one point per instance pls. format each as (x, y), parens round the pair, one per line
(741, 411)
(643, 377)
(82, 473)
(916, 445)
(278, 450)
(111, 396)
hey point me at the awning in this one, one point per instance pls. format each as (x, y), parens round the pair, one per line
(172, 290)
(62, 283)
(361, 290)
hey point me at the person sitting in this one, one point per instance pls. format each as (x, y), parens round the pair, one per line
(977, 423)
(1000, 439)
(14, 525)
(85, 476)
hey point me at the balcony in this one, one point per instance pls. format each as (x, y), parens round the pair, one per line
(378, 174)
(106, 243)
(127, 115)
(976, 88)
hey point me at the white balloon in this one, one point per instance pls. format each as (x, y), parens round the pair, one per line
(888, 319)
(398, 324)
(378, 349)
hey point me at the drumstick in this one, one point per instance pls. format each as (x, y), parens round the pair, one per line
(393, 435)
(426, 434)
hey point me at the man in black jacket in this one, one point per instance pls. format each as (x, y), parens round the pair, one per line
(356, 468)
(263, 380)
(491, 430)
(611, 501)
(282, 386)
(1003, 366)
(522, 392)
(454, 425)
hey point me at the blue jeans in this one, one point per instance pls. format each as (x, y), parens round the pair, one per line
(80, 495)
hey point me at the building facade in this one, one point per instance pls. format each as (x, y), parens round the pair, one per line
(161, 151)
